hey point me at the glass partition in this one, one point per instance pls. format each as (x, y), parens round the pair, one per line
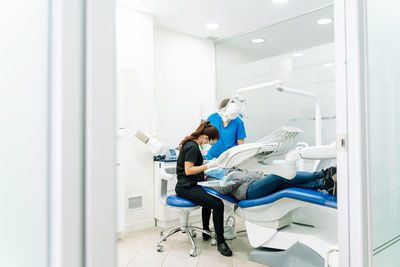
(24, 68)
(383, 90)
(299, 52)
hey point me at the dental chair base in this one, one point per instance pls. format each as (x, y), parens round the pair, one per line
(296, 255)
(295, 238)
(294, 220)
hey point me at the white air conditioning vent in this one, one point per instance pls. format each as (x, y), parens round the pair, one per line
(212, 38)
(135, 202)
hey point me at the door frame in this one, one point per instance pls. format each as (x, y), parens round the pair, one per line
(351, 132)
(82, 134)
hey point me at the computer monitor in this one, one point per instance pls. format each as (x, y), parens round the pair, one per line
(172, 152)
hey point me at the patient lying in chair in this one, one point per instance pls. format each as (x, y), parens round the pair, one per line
(253, 185)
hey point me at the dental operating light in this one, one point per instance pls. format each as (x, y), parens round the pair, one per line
(155, 146)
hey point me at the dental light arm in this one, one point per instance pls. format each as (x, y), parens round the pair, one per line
(283, 89)
(318, 126)
(257, 86)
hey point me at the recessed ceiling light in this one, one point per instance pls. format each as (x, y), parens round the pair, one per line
(298, 54)
(324, 21)
(257, 41)
(328, 64)
(212, 26)
(279, 1)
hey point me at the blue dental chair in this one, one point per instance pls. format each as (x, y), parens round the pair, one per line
(291, 227)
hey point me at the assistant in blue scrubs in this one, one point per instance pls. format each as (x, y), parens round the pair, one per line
(230, 135)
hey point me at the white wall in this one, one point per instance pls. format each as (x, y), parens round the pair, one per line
(267, 109)
(184, 71)
(164, 77)
(24, 143)
(134, 32)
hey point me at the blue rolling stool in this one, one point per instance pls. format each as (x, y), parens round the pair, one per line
(183, 207)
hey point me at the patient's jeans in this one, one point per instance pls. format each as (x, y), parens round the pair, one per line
(273, 183)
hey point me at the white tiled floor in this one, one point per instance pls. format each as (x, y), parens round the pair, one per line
(139, 249)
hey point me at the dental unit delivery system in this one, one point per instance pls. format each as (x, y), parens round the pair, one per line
(260, 156)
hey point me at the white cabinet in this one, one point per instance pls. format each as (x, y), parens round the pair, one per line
(164, 216)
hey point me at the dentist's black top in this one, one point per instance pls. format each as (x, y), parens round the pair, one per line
(189, 152)
(187, 188)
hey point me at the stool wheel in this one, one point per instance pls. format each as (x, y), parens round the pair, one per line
(213, 242)
(161, 234)
(160, 248)
(194, 234)
(193, 253)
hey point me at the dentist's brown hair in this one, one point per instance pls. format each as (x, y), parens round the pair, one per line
(205, 128)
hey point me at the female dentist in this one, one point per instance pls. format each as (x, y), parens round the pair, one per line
(190, 170)
(230, 127)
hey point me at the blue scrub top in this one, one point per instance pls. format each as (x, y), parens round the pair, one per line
(228, 135)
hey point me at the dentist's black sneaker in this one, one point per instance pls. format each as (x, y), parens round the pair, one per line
(224, 249)
(206, 237)
(329, 180)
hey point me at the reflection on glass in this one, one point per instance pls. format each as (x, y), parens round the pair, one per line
(294, 34)
(383, 107)
(298, 51)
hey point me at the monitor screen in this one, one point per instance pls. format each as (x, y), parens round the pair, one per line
(172, 152)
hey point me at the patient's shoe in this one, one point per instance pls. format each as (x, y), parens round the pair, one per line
(330, 180)
(331, 171)
(224, 249)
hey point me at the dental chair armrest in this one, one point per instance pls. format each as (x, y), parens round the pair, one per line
(313, 153)
(319, 152)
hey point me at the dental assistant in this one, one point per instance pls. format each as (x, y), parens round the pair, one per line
(190, 170)
(230, 127)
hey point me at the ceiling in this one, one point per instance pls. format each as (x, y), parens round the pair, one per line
(235, 17)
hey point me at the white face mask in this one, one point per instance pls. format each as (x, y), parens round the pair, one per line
(233, 109)
(205, 148)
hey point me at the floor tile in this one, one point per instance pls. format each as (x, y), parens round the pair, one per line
(139, 249)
